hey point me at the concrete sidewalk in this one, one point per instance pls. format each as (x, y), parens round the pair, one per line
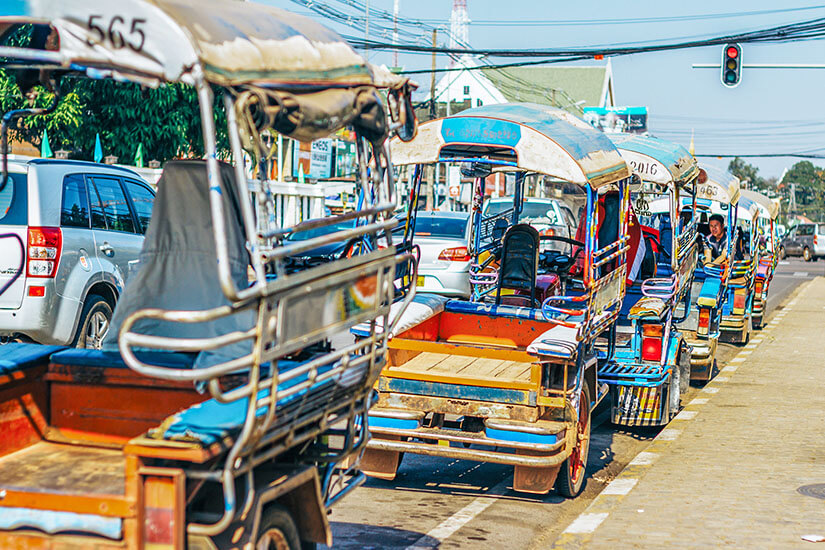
(731, 470)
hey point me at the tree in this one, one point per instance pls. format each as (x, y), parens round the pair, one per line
(166, 120)
(745, 172)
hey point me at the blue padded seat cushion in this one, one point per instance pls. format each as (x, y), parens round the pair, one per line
(16, 356)
(212, 421)
(710, 288)
(476, 308)
(112, 359)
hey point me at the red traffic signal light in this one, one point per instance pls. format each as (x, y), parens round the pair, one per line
(731, 65)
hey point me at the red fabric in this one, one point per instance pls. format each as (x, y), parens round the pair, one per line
(634, 230)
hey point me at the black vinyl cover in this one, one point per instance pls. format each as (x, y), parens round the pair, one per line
(178, 262)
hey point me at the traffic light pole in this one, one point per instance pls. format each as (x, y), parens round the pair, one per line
(764, 66)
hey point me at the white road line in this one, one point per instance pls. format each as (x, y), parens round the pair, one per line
(721, 379)
(686, 415)
(730, 368)
(738, 360)
(586, 523)
(668, 434)
(699, 401)
(800, 273)
(645, 458)
(620, 486)
(446, 528)
(710, 389)
(746, 352)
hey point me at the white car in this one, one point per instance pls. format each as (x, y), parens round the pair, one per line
(444, 264)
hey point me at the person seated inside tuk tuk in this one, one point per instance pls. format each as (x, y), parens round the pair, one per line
(716, 244)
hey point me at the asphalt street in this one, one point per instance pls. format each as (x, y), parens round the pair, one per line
(455, 504)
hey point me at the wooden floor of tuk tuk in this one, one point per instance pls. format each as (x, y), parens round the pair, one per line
(459, 366)
(64, 469)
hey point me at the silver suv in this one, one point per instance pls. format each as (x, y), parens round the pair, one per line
(806, 240)
(70, 236)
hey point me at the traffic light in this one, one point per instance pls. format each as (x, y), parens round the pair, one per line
(731, 65)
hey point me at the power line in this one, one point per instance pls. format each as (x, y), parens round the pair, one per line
(813, 29)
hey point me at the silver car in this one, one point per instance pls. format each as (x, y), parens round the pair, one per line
(70, 235)
(550, 217)
(444, 265)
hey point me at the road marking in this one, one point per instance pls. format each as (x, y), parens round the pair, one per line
(746, 352)
(738, 360)
(446, 528)
(686, 415)
(586, 523)
(721, 379)
(620, 486)
(668, 434)
(645, 458)
(730, 368)
(784, 262)
(800, 273)
(699, 401)
(710, 389)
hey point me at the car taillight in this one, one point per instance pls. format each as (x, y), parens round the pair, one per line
(815, 240)
(457, 254)
(549, 232)
(45, 244)
(651, 342)
(704, 320)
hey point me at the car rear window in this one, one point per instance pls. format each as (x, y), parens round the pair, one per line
(320, 231)
(14, 204)
(434, 226)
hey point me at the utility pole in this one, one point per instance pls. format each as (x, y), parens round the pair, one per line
(433, 172)
(395, 31)
(367, 28)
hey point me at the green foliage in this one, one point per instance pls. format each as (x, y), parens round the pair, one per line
(810, 188)
(166, 120)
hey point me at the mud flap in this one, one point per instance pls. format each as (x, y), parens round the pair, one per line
(382, 464)
(535, 480)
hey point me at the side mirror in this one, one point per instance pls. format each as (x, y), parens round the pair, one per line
(476, 170)
(402, 112)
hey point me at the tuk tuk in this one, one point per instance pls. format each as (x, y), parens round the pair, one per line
(717, 196)
(766, 252)
(217, 415)
(510, 376)
(650, 370)
(735, 326)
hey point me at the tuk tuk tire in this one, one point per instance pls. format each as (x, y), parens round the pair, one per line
(806, 254)
(278, 530)
(570, 483)
(756, 323)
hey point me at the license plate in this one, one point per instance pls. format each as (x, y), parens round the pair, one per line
(420, 281)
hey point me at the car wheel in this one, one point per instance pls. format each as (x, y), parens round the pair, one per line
(95, 320)
(781, 252)
(806, 254)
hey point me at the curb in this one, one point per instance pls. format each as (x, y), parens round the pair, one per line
(581, 530)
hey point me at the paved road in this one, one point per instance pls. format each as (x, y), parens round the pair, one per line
(455, 504)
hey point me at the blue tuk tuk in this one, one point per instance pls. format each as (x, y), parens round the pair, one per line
(767, 245)
(511, 375)
(735, 325)
(717, 196)
(650, 369)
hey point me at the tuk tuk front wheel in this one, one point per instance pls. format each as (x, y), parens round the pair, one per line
(277, 531)
(570, 480)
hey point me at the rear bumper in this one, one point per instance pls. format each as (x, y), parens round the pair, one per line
(49, 319)
(445, 282)
(538, 444)
(702, 352)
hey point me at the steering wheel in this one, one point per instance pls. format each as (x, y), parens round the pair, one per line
(561, 263)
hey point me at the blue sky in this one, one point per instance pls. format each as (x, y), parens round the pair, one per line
(772, 110)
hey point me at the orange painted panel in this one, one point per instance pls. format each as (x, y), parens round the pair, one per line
(516, 333)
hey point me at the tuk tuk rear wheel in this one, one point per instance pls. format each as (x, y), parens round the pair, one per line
(570, 480)
(278, 530)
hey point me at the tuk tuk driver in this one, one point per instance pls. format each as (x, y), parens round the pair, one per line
(717, 241)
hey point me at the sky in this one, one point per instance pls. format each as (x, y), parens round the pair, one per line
(771, 111)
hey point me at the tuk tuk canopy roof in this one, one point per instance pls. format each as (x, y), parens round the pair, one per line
(655, 160)
(769, 208)
(748, 209)
(536, 138)
(225, 42)
(721, 186)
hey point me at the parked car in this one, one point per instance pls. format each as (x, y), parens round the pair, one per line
(549, 216)
(444, 264)
(70, 235)
(806, 240)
